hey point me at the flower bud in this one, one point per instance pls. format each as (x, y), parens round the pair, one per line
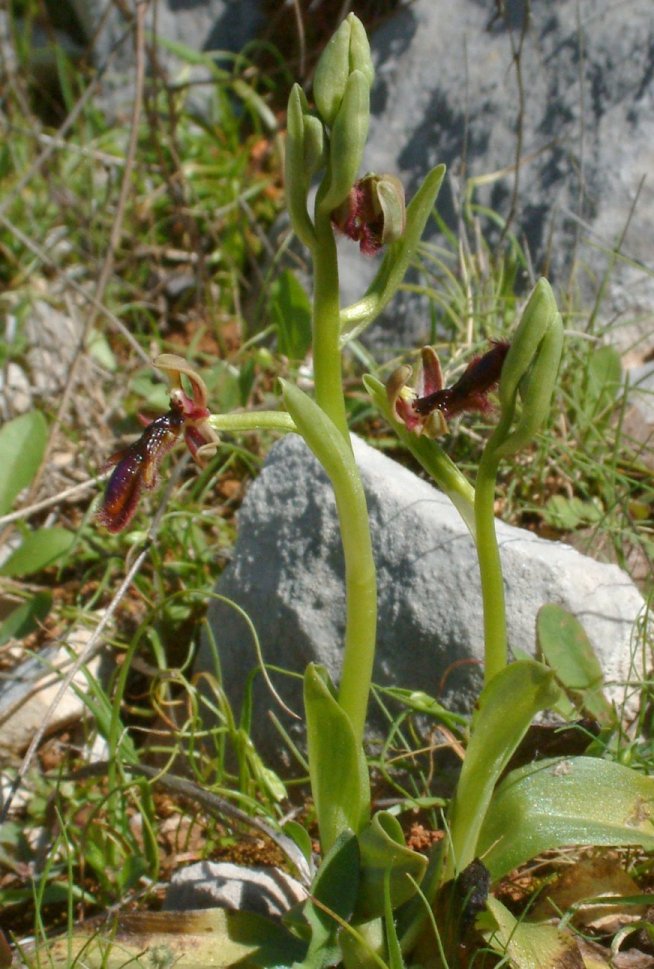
(536, 319)
(374, 212)
(348, 139)
(347, 51)
(531, 368)
(536, 389)
(301, 148)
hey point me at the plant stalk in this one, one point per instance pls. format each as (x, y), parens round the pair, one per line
(360, 575)
(326, 323)
(490, 567)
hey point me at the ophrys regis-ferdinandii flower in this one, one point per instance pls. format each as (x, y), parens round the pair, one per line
(136, 465)
(426, 408)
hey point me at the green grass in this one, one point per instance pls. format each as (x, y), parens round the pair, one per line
(182, 278)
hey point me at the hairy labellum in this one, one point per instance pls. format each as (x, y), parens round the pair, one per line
(136, 465)
(470, 392)
(136, 468)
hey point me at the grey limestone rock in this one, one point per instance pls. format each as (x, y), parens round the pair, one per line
(287, 571)
(199, 25)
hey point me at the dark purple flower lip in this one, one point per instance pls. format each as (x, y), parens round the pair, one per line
(136, 465)
(426, 408)
(470, 392)
(136, 469)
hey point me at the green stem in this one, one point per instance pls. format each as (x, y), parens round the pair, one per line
(490, 566)
(336, 457)
(243, 421)
(326, 322)
(360, 576)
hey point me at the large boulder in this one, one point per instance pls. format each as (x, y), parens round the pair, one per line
(287, 575)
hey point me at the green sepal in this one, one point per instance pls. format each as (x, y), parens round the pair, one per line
(337, 765)
(314, 146)
(296, 179)
(360, 56)
(332, 72)
(506, 707)
(356, 317)
(348, 139)
(430, 455)
(385, 857)
(573, 801)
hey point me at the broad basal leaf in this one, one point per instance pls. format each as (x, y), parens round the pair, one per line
(580, 801)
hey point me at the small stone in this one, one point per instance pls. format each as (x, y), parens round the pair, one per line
(210, 884)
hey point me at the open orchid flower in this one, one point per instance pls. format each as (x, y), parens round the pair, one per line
(426, 408)
(136, 465)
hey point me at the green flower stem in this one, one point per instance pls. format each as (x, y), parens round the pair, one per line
(488, 553)
(326, 323)
(336, 457)
(263, 420)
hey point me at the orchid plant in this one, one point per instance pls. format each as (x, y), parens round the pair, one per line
(374, 901)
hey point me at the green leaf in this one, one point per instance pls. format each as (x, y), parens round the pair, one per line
(393, 947)
(211, 939)
(22, 445)
(566, 648)
(334, 891)
(337, 882)
(38, 550)
(424, 703)
(355, 318)
(290, 311)
(301, 837)
(579, 801)
(506, 707)
(98, 346)
(337, 765)
(603, 382)
(25, 618)
(570, 513)
(528, 946)
(385, 858)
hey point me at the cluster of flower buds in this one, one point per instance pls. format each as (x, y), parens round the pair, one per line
(426, 407)
(136, 466)
(371, 210)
